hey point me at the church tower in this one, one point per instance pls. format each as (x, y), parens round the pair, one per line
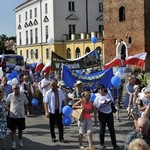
(126, 28)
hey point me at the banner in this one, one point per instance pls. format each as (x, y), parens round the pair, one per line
(92, 59)
(91, 81)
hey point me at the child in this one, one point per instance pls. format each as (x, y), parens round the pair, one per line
(86, 124)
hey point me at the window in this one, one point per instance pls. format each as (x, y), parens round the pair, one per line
(46, 9)
(35, 12)
(78, 53)
(71, 6)
(87, 50)
(72, 30)
(31, 36)
(26, 15)
(27, 54)
(101, 29)
(47, 53)
(19, 18)
(30, 14)
(36, 35)
(21, 52)
(36, 54)
(32, 53)
(46, 32)
(27, 37)
(20, 41)
(129, 40)
(100, 7)
(68, 53)
(122, 14)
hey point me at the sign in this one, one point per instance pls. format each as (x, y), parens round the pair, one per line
(89, 60)
(91, 81)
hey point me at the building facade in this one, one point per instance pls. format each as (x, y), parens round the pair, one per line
(126, 28)
(69, 23)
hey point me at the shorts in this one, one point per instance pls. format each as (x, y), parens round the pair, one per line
(85, 126)
(17, 123)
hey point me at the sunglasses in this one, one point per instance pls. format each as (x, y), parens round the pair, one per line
(16, 88)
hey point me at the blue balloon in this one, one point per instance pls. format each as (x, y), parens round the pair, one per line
(14, 73)
(93, 96)
(116, 81)
(66, 120)
(10, 76)
(94, 39)
(34, 102)
(67, 110)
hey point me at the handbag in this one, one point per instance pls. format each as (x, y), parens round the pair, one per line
(114, 110)
(78, 114)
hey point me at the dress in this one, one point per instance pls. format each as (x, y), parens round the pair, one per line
(3, 121)
(130, 88)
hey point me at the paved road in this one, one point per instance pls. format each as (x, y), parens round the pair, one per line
(37, 137)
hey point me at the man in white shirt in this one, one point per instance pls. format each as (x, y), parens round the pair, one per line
(54, 101)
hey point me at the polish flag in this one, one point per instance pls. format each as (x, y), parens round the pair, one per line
(39, 66)
(115, 62)
(137, 60)
(47, 68)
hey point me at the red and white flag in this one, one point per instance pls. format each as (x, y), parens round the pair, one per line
(115, 62)
(47, 68)
(39, 66)
(137, 60)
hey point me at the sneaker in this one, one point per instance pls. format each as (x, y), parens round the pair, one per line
(116, 147)
(21, 145)
(13, 146)
(81, 146)
(63, 141)
(54, 140)
(102, 146)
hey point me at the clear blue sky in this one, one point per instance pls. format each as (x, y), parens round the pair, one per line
(7, 16)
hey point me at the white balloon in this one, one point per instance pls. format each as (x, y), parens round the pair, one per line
(17, 68)
(50, 41)
(10, 82)
(118, 74)
(14, 81)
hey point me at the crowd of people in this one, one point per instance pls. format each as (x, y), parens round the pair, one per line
(53, 95)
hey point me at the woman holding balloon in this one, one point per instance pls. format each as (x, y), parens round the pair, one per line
(85, 125)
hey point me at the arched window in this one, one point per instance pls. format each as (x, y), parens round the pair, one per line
(78, 52)
(122, 14)
(87, 50)
(100, 55)
(68, 53)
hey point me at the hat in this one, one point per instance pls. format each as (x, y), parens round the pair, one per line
(61, 83)
(78, 82)
(147, 90)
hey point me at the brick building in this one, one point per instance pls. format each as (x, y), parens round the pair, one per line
(126, 28)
